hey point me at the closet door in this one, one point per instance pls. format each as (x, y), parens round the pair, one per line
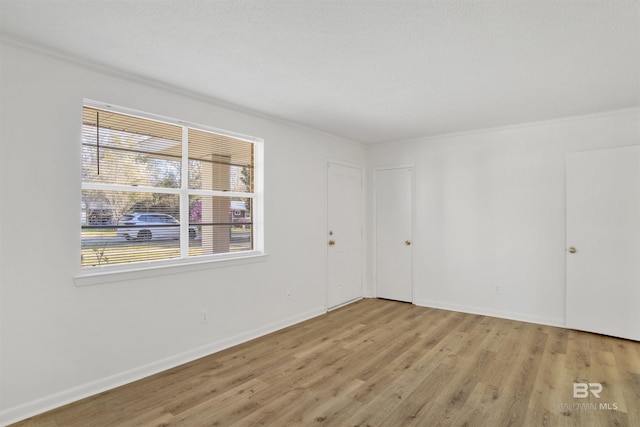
(394, 233)
(344, 234)
(603, 241)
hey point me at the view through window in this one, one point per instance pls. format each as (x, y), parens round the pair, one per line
(155, 190)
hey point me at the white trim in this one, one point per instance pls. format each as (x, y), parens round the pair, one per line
(345, 304)
(374, 226)
(505, 128)
(520, 317)
(392, 167)
(142, 270)
(39, 406)
(588, 150)
(258, 196)
(184, 195)
(343, 163)
(157, 84)
(149, 82)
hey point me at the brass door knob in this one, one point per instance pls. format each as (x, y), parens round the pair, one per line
(572, 250)
(332, 242)
(407, 242)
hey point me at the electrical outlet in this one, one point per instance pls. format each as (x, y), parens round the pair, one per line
(498, 289)
(288, 293)
(204, 318)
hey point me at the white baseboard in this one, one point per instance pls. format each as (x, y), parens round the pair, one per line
(521, 317)
(345, 304)
(39, 406)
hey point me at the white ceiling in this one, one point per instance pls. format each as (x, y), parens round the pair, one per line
(369, 71)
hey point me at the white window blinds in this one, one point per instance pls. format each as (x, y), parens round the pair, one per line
(153, 190)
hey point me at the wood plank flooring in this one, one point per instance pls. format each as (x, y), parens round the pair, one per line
(385, 363)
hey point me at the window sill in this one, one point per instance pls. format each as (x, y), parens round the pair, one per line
(109, 274)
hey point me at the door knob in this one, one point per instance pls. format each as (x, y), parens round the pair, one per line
(332, 242)
(407, 242)
(572, 250)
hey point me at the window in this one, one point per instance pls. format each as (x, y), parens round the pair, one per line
(157, 189)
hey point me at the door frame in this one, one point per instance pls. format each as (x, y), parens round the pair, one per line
(374, 224)
(330, 161)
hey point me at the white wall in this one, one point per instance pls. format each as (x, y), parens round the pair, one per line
(490, 211)
(61, 342)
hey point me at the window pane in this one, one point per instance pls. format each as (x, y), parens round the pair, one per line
(223, 224)
(120, 227)
(124, 156)
(125, 150)
(218, 162)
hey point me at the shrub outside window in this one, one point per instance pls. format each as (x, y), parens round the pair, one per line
(158, 189)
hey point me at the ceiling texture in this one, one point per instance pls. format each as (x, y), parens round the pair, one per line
(367, 71)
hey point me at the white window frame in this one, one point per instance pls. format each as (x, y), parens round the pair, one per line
(134, 270)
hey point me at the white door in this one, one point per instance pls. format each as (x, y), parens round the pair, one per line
(603, 241)
(393, 233)
(344, 234)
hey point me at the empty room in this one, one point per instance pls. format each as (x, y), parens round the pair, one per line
(301, 213)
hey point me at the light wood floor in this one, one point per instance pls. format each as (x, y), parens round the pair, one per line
(384, 363)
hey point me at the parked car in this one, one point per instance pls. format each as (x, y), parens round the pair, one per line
(151, 225)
